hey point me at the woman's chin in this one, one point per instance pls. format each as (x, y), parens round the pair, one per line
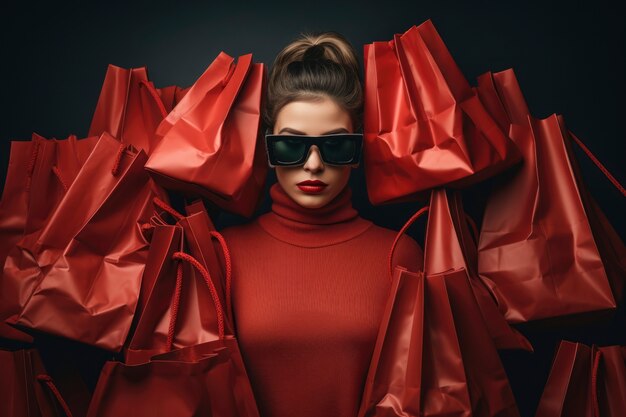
(312, 201)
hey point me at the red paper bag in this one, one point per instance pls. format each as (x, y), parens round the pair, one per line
(80, 276)
(585, 382)
(211, 142)
(434, 354)
(424, 127)
(207, 379)
(548, 254)
(610, 378)
(455, 249)
(181, 286)
(200, 235)
(200, 379)
(40, 171)
(129, 108)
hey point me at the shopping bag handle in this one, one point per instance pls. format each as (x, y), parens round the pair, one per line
(167, 208)
(48, 382)
(215, 235)
(473, 228)
(57, 173)
(34, 152)
(408, 223)
(155, 96)
(599, 164)
(594, 383)
(182, 256)
(222, 242)
(118, 159)
(227, 261)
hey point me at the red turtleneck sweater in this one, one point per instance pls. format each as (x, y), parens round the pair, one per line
(308, 290)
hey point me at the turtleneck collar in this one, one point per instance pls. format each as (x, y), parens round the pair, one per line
(333, 223)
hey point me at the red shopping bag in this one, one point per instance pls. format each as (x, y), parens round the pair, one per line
(549, 255)
(434, 354)
(424, 127)
(207, 379)
(211, 143)
(129, 108)
(585, 382)
(200, 235)
(451, 247)
(238, 394)
(28, 390)
(57, 163)
(40, 171)
(200, 379)
(179, 290)
(79, 277)
(610, 380)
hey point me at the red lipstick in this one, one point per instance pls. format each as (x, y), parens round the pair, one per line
(312, 186)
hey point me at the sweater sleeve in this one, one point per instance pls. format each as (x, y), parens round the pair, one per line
(409, 254)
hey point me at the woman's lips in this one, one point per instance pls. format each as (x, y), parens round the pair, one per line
(311, 187)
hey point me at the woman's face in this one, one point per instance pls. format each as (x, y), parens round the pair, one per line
(313, 118)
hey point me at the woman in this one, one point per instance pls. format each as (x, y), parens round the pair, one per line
(310, 278)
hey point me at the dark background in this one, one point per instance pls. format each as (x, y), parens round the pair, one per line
(568, 57)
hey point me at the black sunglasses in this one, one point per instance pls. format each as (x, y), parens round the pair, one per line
(293, 150)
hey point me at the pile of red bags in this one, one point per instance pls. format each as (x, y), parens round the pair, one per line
(436, 351)
(585, 382)
(545, 252)
(182, 358)
(92, 251)
(424, 126)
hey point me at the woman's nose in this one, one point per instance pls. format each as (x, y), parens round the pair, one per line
(314, 161)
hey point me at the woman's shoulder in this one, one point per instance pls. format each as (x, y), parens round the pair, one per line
(407, 253)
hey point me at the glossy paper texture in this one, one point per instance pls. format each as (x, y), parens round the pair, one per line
(79, 277)
(204, 374)
(211, 143)
(202, 380)
(196, 318)
(38, 174)
(126, 108)
(32, 189)
(434, 355)
(544, 243)
(196, 226)
(585, 382)
(456, 238)
(424, 126)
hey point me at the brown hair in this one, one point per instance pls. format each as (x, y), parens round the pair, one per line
(314, 66)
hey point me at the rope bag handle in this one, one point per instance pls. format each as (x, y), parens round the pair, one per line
(185, 257)
(49, 383)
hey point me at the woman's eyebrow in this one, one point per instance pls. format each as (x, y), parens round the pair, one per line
(297, 132)
(340, 130)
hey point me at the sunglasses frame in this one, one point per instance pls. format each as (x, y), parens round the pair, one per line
(310, 141)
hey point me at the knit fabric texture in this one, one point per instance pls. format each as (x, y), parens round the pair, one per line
(309, 287)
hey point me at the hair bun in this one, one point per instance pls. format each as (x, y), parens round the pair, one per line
(315, 65)
(314, 53)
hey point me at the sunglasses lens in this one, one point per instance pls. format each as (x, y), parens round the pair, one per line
(289, 150)
(335, 150)
(338, 150)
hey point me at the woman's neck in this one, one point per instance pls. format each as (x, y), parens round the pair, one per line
(337, 210)
(333, 223)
